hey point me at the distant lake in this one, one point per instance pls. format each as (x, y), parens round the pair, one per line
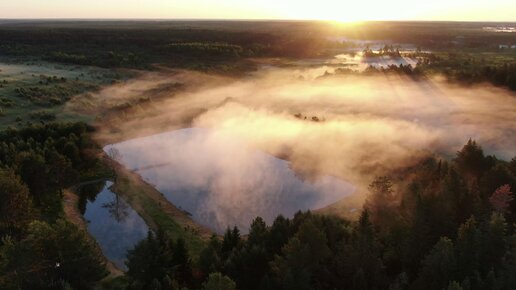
(111, 221)
(222, 181)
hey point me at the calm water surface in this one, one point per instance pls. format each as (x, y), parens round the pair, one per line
(222, 181)
(111, 221)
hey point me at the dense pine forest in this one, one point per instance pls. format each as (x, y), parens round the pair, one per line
(439, 225)
(39, 249)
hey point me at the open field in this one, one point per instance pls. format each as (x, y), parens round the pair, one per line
(33, 92)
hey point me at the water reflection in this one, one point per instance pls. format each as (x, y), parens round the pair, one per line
(221, 181)
(118, 209)
(111, 221)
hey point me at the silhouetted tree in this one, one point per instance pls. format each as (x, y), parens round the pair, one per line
(439, 267)
(217, 281)
(501, 199)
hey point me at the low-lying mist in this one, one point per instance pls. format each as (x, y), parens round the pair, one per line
(222, 181)
(349, 126)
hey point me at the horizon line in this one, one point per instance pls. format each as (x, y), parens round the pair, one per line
(239, 19)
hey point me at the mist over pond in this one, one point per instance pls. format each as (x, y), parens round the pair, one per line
(222, 181)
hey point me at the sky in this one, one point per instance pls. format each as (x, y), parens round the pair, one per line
(340, 10)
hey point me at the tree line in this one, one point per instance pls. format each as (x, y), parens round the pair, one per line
(132, 47)
(39, 249)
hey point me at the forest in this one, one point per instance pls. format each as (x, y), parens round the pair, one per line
(39, 248)
(137, 46)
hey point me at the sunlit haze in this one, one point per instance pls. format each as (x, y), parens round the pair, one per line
(457, 10)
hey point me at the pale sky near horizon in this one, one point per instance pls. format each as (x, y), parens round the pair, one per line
(341, 10)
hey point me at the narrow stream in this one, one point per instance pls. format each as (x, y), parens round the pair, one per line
(111, 221)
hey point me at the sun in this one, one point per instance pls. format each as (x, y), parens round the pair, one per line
(351, 12)
(346, 23)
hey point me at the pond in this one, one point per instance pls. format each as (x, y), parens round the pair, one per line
(313, 68)
(221, 181)
(111, 221)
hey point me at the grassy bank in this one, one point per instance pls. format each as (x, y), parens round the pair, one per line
(157, 211)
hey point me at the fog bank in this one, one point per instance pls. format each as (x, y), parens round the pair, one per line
(352, 127)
